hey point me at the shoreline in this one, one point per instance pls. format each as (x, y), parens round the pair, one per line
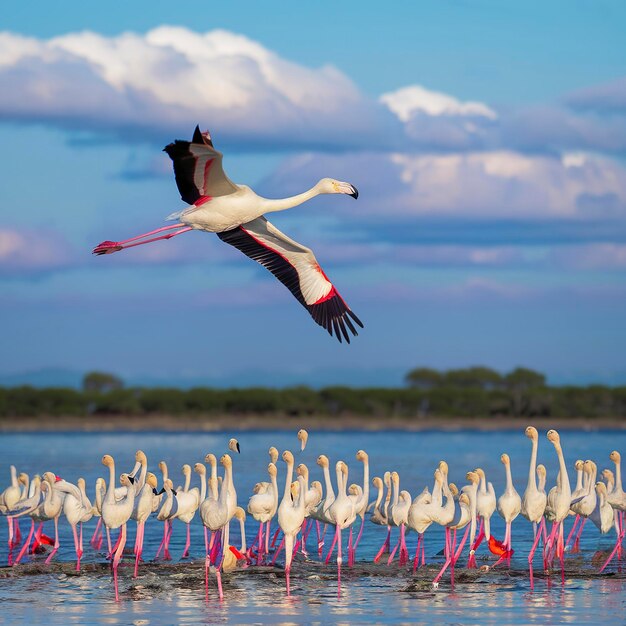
(169, 423)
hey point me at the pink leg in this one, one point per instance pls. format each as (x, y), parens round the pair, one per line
(571, 532)
(416, 560)
(280, 547)
(561, 552)
(576, 547)
(95, 533)
(187, 544)
(56, 540)
(138, 547)
(339, 558)
(162, 544)
(206, 562)
(26, 543)
(275, 537)
(350, 547)
(259, 556)
(332, 547)
(107, 247)
(395, 549)
(358, 538)
(77, 548)
(267, 538)
(121, 542)
(385, 547)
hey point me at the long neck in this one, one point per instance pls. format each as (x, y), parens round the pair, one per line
(532, 476)
(187, 482)
(142, 476)
(379, 497)
(288, 477)
(110, 497)
(341, 487)
(214, 471)
(302, 498)
(366, 481)
(579, 480)
(242, 526)
(270, 205)
(618, 476)
(14, 482)
(329, 485)
(202, 486)
(275, 490)
(562, 478)
(509, 479)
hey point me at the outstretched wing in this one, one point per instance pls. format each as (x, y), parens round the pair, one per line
(198, 168)
(297, 268)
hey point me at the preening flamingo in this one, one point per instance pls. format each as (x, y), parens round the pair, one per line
(235, 214)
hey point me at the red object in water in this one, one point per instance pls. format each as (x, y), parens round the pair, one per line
(236, 552)
(497, 547)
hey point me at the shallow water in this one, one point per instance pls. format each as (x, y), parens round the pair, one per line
(371, 594)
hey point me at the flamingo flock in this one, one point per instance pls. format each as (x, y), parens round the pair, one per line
(306, 505)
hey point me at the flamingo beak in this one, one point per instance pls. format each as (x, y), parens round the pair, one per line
(155, 492)
(238, 448)
(160, 492)
(132, 479)
(355, 194)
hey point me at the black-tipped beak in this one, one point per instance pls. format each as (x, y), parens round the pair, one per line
(238, 448)
(173, 491)
(354, 195)
(132, 479)
(160, 492)
(155, 492)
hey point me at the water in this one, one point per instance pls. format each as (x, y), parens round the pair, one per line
(372, 594)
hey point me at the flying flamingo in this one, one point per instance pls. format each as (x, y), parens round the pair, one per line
(235, 214)
(534, 498)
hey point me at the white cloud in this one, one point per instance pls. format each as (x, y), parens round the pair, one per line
(27, 251)
(417, 99)
(500, 185)
(171, 77)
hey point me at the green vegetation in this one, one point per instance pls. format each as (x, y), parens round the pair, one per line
(469, 392)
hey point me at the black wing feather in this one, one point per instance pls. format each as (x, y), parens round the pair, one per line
(330, 313)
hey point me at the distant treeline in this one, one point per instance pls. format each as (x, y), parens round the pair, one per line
(470, 392)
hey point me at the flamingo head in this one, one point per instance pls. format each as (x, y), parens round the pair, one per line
(302, 470)
(601, 489)
(163, 467)
(361, 455)
(317, 486)
(541, 471)
(387, 478)
(464, 499)
(473, 477)
(531, 433)
(49, 477)
(186, 470)
(240, 514)
(438, 476)
(341, 465)
(271, 469)
(23, 478)
(226, 461)
(200, 468)
(141, 457)
(273, 452)
(377, 481)
(151, 480)
(395, 477)
(81, 483)
(578, 466)
(295, 490)
(322, 460)
(608, 475)
(443, 468)
(233, 445)
(210, 459)
(454, 490)
(553, 436)
(126, 480)
(288, 457)
(107, 460)
(615, 456)
(505, 460)
(354, 490)
(590, 467)
(330, 185)
(303, 437)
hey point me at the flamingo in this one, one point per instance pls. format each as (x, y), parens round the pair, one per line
(558, 505)
(485, 506)
(214, 516)
(384, 513)
(78, 511)
(312, 497)
(584, 502)
(320, 512)
(398, 516)
(30, 506)
(188, 503)
(115, 514)
(509, 506)
(534, 498)
(303, 437)
(100, 491)
(617, 499)
(236, 555)
(602, 515)
(142, 509)
(8, 499)
(342, 514)
(439, 513)
(235, 214)
(577, 494)
(263, 505)
(360, 504)
(419, 519)
(290, 514)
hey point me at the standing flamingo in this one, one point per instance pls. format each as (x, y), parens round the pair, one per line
(262, 506)
(115, 514)
(235, 214)
(509, 506)
(617, 499)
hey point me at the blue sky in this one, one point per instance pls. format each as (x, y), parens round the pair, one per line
(487, 140)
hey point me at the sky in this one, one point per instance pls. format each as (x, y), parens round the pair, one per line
(487, 141)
